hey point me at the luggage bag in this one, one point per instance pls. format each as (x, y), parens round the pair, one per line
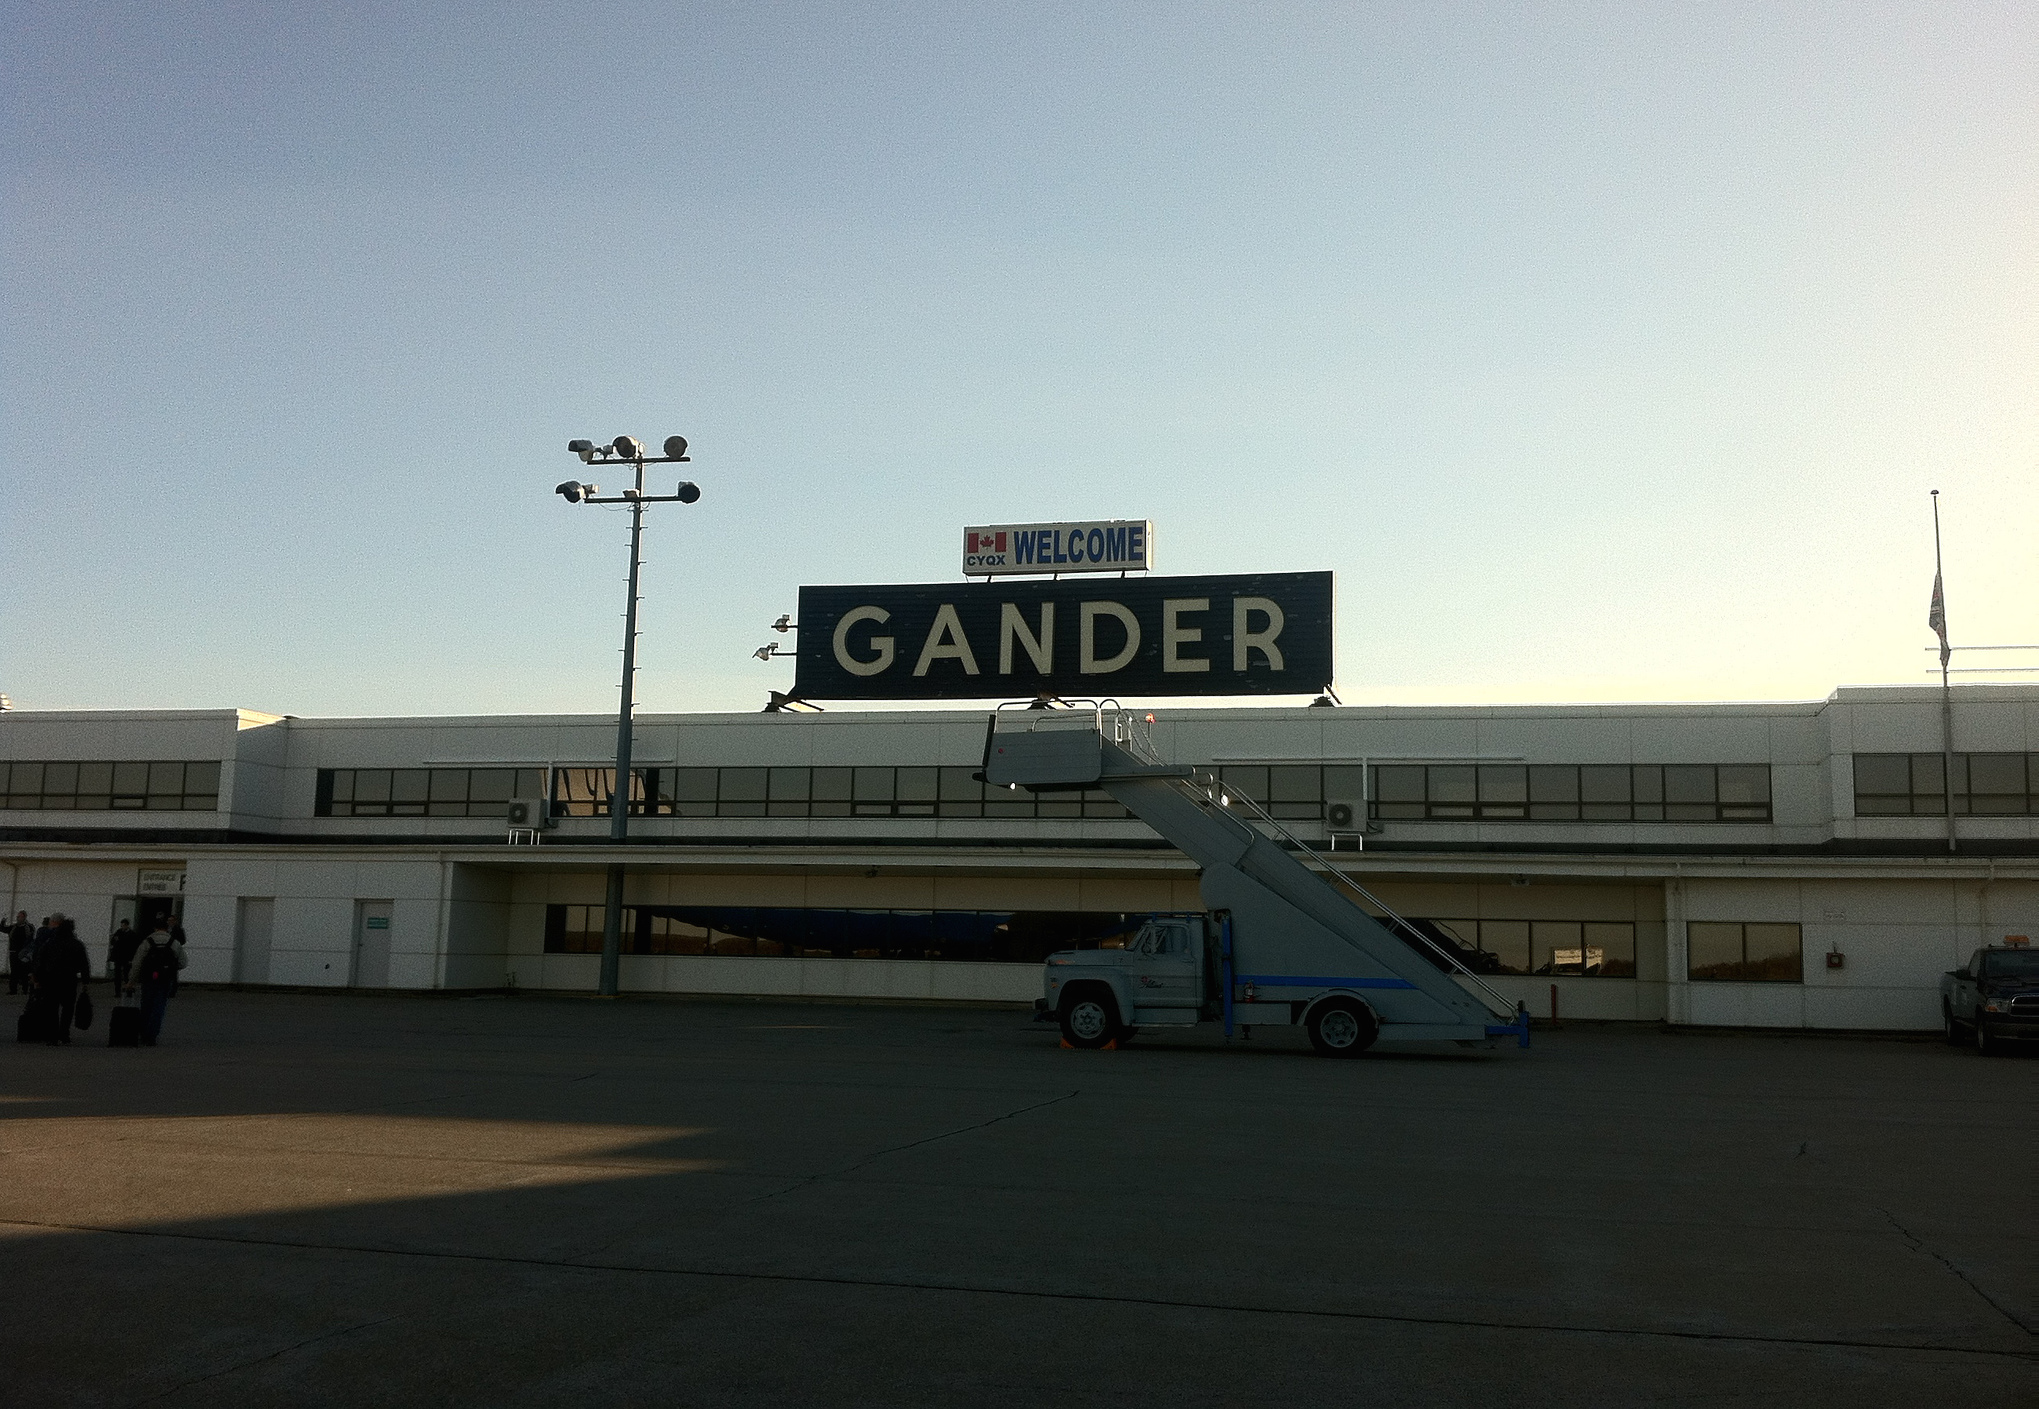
(124, 1026)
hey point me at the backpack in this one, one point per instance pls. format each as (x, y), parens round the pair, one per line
(158, 966)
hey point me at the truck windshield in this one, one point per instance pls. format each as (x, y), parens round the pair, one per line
(2011, 963)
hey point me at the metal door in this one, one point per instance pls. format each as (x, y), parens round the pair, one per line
(1164, 967)
(371, 943)
(254, 922)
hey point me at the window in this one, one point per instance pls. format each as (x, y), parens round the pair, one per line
(997, 936)
(154, 786)
(1564, 792)
(423, 792)
(1589, 948)
(1749, 953)
(1915, 784)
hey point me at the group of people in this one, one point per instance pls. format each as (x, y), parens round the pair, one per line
(49, 962)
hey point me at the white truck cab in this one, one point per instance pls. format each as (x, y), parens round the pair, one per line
(1156, 978)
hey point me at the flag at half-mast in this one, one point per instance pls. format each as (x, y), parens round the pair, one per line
(1936, 617)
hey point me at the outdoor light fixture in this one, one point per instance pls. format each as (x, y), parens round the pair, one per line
(784, 623)
(629, 448)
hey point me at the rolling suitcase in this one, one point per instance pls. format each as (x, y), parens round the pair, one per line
(124, 1026)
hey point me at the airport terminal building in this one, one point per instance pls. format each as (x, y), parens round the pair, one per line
(1772, 865)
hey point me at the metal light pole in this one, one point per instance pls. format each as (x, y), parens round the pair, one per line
(624, 450)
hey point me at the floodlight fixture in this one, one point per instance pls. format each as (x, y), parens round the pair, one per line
(583, 448)
(676, 447)
(573, 491)
(763, 653)
(784, 623)
(688, 492)
(629, 447)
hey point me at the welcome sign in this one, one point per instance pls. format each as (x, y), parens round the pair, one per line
(1240, 634)
(1106, 545)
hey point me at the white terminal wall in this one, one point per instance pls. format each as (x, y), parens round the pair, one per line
(467, 912)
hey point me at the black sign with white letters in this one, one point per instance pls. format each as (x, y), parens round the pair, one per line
(1243, 634)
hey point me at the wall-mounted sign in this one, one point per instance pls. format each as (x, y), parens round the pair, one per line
(1107, 545)
(1247, 634)
(159, 883)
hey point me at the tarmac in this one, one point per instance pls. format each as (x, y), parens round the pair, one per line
(339, 1199)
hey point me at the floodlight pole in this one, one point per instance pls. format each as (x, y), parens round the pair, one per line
(621, 789)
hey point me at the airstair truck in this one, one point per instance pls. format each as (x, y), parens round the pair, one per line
(1282, 942)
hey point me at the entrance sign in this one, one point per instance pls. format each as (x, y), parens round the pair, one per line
(159, 883)
(1102, 545)
(1243, 634)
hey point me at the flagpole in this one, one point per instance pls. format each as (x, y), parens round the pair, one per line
(1946, 689)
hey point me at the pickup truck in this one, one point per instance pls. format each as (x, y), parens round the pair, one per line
(1994, 999)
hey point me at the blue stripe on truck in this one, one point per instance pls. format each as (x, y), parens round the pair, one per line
(1290, 981)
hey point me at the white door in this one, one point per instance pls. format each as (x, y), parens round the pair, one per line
(1164, 970)
(371, 943)
(254, 922)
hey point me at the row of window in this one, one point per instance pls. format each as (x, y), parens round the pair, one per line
(1899, 784)
(996, 936)
(424, 792)
(1890, 784)
(155, 786)
(816, 792)
(1291, 792)
(1589, 792)
(1915, 784)
(1591, 948)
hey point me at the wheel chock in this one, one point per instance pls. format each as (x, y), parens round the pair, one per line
(1111, 1046)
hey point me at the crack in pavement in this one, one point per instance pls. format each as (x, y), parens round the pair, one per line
(264, 1359)
(1919, 1246)
(1039, 1294)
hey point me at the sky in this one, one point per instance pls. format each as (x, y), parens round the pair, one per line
(1604, 352)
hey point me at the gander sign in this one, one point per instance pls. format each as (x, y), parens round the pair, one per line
(1246, 634)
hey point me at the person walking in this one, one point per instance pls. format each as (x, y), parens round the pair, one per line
(156, 964)
(61, 967)
(20, 935)
(120, 954)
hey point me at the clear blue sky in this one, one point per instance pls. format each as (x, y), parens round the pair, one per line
(1605, 352)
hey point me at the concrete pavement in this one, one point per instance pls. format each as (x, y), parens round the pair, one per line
(340, 1200)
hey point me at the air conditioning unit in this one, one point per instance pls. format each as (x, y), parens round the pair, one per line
(1341, 815)
(529, 814)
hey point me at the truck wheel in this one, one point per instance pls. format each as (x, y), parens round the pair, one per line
(1342, 1028)
(1982, 1043)
(1089, 1020)
(1950, 1028)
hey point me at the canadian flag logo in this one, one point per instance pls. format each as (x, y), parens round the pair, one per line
(984, 543)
